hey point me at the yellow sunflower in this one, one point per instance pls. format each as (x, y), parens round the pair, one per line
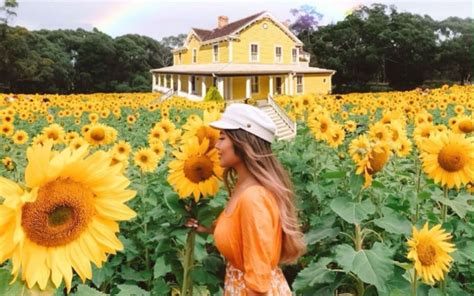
(196, 169)
(429, 250)
(146, 159)
(6, 129)
(463, 124)
(20, 137)
(336, 136)
(448, 158)
(373, 161)
(321, 126)
(54, 132)
(100, 134)
(66, 218)
(122, 148)
(200, 128)
(159, 149)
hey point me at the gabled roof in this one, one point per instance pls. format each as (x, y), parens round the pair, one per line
(234, 28)
(230, 28)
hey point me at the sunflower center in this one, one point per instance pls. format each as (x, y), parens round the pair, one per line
(98, 134)
(323, 127)
(451, 158)
(426, 254)
(198, 169)
(144, 158)
(53, 135)
(466, 126)
(60, 213)
(377, 161)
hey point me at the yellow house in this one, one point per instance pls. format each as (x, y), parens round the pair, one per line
(253, 57)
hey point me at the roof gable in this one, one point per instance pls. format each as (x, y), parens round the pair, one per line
(235, 27)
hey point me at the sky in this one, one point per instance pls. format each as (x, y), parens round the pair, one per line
(158, 19)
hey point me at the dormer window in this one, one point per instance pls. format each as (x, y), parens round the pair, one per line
(278, 54)
(215, 53)
(254, 52)
(194, 55)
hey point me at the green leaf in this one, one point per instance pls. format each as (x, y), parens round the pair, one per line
(393, 222)
(19, 288)
(131, 290)
(350, 211)
(319, 234)
(373, 266)
(460, 204)
(314, 273)
(333, 175)
(345, 255)
(160, 268)
(84, 290)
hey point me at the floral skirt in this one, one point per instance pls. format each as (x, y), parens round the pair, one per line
(235, 285)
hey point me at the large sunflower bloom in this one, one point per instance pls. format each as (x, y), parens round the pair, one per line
(448, 158)
(196, 170)
(200, 128)
(429, 249)
(67, 216)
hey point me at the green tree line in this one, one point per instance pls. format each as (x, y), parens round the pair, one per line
(378, 45)
(375, 46)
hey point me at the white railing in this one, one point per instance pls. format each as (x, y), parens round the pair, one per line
(281, 113)
(166, 95)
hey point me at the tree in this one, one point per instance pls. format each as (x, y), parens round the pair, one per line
(7, 11)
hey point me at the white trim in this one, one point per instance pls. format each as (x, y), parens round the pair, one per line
(250, 52)
(290, 80)
(302, 84)
(270, 85)
(203, 86)
(275, 54)
(220, 86)
(179, 83)
(194, 56)
(230, 51)
(214, 60)
(248, 87)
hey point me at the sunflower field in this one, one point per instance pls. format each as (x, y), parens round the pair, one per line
(95, 191)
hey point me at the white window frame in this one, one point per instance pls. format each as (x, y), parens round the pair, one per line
(215, 53)
(194, 57)
(302, 84)
(255, 83)
(295, 60)
(278, 61)
(258, 52)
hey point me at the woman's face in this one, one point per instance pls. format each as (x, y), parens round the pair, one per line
(225, 148)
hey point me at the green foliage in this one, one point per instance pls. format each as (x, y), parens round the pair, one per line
(213, 95)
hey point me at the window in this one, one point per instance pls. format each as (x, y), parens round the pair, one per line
(254, 52)
(294, 55)
(168, 80)
(278, 54)
(255, 84)
(215, 53)
(193, 84)
(299, 84)
(194, 55)
(179, 58)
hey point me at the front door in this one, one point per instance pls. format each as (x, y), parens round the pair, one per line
(278, 85)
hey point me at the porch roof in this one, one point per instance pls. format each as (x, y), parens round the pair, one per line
(240, 69)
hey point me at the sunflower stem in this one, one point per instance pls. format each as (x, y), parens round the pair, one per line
(418, 180)
(414, 283)
(444, 209)
(358, 238)
(187, 289)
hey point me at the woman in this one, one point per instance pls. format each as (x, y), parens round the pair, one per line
(258, 228)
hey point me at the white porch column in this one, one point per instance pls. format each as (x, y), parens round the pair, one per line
(290, 78)
(179, 84)
(231, 88)
(203, 86)
(220, 85)
(189, 85)
(286, 85)
(248, 88)
(270, 85)
(153, 81)
(172, 81)
(159, 79)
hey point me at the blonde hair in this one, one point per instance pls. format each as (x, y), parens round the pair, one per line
(259, 159)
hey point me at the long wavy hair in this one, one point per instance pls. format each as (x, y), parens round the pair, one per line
(259, 159)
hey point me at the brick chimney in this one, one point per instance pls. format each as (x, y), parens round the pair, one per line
(222, 21)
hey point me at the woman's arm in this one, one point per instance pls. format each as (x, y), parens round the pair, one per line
(191, 222)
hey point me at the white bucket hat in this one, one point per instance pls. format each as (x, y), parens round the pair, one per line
(249, 118)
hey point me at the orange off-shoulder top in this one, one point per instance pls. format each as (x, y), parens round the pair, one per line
(250, 237)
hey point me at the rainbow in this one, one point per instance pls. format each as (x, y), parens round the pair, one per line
(121, 15)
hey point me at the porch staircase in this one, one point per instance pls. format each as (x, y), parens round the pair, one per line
(164, 97)
(286, 128)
